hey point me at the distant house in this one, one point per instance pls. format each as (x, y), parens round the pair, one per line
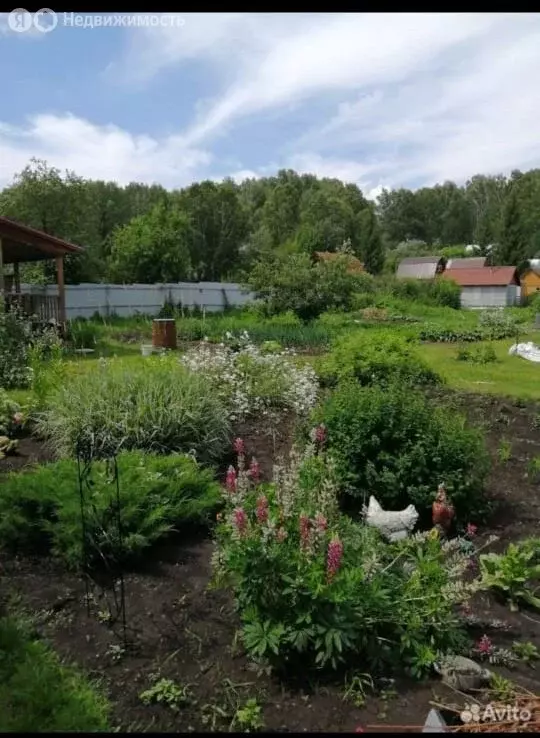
(355, 265)
(420, 267)
(472, 262)
(530, 279)
(485, 287)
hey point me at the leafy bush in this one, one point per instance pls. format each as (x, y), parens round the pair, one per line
(397, 445)
(482, 355)
(18, 340)
(38, 693)
(11, 417)
(250, 381)
(15, 339)
(434, 334)
(314, 589)
(441, 292)
(41, 507)
(376, 358)
(155, 406)
(293, 282)
(496, 320)
(514, 573)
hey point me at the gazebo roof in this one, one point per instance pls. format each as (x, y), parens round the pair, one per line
(21, 243)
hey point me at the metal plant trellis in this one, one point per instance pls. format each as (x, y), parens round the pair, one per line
(92, 553)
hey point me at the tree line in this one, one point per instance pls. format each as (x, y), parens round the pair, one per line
(213, 231)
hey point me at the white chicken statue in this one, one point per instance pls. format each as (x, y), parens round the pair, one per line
(392, 525)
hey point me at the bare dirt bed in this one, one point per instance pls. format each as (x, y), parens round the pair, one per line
(186, 632)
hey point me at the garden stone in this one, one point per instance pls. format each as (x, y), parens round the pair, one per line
(463, 673)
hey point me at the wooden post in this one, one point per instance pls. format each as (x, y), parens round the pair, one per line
(17, 278)
(61, 289)
(1, 268)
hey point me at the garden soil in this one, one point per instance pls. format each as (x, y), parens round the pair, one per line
(182, 630)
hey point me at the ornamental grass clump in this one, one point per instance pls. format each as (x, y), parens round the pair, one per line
(316, 590)
(250, 381)
(158, 407)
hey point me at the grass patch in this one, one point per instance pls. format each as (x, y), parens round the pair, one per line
(509, 376)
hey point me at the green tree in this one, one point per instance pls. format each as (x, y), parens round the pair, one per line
(371, 249)
(42, 198)
(153, 248)
(219, 228)
(513, 248)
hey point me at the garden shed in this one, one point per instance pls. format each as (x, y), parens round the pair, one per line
(420, 267)
(530, 279)
(486, 287)
(21, 244)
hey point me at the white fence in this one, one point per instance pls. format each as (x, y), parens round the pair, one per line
(83, 300)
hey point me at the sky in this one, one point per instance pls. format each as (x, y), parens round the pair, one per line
(381, 100)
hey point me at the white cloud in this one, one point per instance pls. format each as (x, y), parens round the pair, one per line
(99, 152)
(425, 97)
(417, 98)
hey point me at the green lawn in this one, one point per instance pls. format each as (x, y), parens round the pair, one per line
(511, 376)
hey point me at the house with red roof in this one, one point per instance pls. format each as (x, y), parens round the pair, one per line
(486, 287)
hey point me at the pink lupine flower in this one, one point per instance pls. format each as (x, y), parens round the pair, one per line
(320, 434)
(359, 729)
(484, 645)
(240, 520)
(334, 556)
(18, 418)
(239, 446)
(281, 535)
(255, 470)
(262, 509)
(471, 529)
(321, 522)
(305, 529)
(230, 480)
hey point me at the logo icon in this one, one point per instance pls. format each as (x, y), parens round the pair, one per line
(20, 20)
(45, 20)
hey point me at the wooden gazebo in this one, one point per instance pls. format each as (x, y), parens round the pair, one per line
(21, 244)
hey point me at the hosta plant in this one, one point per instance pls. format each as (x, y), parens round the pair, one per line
(315, 589)
(515, 574)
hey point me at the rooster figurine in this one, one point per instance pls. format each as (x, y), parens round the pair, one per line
(442, 510)
(393, 525)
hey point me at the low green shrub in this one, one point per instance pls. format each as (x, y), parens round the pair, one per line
(314, 589)
(396, 444)
(434, 334)
(441, 292)
(38, 694)
(15, 337)
(11, 416)
(40, 508)
(481, 355)
(158, 406)
(376, 357)
(514, 574)
(19, 340)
